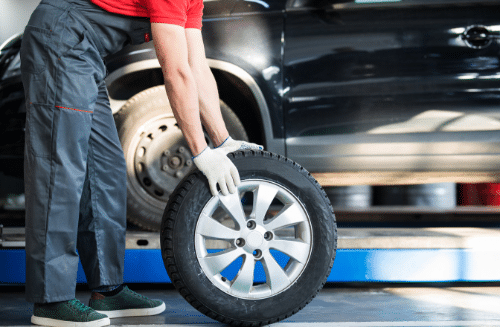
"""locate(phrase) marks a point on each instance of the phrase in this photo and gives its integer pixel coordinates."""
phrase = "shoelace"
(137, 294)
(79, 305)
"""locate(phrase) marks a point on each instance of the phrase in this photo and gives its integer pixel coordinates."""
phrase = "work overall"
(75, 172)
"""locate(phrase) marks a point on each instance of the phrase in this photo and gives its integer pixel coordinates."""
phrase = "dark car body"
(345, 88)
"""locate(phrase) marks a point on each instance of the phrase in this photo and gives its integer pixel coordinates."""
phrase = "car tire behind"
(156, 153)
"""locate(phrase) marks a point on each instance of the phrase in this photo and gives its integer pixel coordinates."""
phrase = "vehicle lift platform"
(364, 254)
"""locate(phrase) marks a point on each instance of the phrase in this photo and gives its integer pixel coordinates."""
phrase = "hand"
(230, 145)
(219, 169)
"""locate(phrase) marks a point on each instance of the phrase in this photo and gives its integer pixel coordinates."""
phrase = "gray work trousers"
(75, 172)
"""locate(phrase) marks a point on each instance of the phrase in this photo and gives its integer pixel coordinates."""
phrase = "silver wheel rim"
(275, 225)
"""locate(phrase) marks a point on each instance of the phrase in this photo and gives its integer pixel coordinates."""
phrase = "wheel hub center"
(255, 239)
(175, 162)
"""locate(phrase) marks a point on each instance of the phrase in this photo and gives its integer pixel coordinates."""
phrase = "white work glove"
(219, 169)
(230, 145)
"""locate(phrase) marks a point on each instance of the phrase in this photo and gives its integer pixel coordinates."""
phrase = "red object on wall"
(482, 194)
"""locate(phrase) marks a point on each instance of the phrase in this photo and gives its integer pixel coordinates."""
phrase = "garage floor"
(336, 305)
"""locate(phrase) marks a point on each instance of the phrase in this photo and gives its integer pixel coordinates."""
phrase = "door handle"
(478, 36)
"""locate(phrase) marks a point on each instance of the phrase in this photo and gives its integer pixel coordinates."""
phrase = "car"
(357, 92)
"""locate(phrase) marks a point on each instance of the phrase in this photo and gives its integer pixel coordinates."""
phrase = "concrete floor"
(336, 305)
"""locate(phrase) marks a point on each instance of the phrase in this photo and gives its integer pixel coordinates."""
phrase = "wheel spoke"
(210, 227)
(295, 249)
(289, 216)
(244, 280)
(276, 277)
(219, 261)
(232, 205)
(263, 197)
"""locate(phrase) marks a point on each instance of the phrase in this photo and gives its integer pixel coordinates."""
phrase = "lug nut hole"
(268, 236)
(240, 242)
(257, 253)
(251, 224)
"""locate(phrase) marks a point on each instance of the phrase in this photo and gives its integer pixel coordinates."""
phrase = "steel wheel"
(156, 153)
(161, 157)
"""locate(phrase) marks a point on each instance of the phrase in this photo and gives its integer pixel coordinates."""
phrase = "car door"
(392, 85)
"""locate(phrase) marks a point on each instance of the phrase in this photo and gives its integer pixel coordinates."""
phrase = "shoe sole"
(61, 323)
(134, 312)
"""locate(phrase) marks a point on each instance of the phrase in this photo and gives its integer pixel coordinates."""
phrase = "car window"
(296, 4)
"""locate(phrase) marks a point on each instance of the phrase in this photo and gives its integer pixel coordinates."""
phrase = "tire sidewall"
(314, 274)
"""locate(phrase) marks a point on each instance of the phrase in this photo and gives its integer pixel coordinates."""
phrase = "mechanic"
(75, 171)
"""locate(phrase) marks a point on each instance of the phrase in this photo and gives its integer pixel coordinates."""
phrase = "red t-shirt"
(186, 13)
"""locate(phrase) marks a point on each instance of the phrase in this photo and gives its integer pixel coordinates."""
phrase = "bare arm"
(172, 52)
(208, 94)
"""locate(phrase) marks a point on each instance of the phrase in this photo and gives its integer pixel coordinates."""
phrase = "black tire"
(148, 184)
(180, 253)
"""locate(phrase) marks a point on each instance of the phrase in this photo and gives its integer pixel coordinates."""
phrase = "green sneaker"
(72, 313)
(127, 303)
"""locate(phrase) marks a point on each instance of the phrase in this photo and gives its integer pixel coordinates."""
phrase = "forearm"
(179, 82)
(182, 94)
(211, 116)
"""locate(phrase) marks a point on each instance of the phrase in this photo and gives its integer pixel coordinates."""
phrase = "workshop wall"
(14, 15)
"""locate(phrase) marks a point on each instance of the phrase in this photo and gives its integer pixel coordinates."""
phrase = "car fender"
(272, 144)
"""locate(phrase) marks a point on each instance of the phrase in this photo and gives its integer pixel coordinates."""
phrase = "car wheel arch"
(221, 70)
